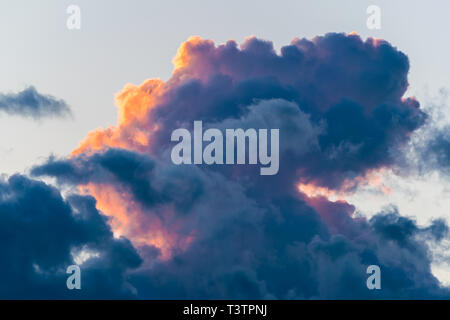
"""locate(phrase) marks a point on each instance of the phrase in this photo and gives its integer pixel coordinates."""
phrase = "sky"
(76, 74)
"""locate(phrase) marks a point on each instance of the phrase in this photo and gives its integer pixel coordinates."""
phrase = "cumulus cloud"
(352, 88)
(226, 232)
(30, 103)
(249, 244)
(40, 232)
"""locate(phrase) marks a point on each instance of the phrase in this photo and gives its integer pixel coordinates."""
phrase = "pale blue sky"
(128, 41)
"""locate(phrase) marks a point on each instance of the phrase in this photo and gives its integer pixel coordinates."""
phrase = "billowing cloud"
(350, 88)
(231, 240)
(30, 103)
(212, 231)
(42, 233)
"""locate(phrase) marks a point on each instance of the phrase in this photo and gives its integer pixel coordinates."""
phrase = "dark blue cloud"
(253, 245)
(39, 232)
(30, 103)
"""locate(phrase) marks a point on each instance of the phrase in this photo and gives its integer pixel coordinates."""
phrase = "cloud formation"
(30, 103)
(42, 233)
(231, 240)
(350, 88)
(226, 232)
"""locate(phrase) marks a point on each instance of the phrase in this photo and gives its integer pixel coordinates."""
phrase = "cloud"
(245, 243)
(435, 150)
(40, 233)
(428, 150)
(353, 89)
(226, 232)
(30, 103)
